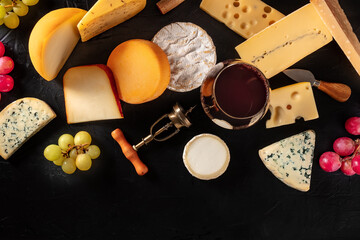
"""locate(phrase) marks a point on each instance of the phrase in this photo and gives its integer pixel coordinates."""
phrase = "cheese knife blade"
(338, 91)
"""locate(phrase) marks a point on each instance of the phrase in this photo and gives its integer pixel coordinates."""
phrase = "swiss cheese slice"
(245, 17)
(206, 156)
(335, 19)
(106, 14)
(286, 42)
(290, 103)
(290, 159)
(19, 121)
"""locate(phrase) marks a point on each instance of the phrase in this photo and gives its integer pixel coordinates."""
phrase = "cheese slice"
(290, 159)
(290, 103)
(335, 19)
(245, 17)
(286, 42)
(19, 121)
(106, 14)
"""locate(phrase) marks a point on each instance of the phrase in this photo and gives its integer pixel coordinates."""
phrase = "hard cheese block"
(290, 159)
(106, 14)
(285, 42)
(290, 103)
(245, 17)
(338, 24)
(90, 94)
(19, 121)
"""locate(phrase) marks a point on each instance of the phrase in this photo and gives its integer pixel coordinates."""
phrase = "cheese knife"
(338, 91)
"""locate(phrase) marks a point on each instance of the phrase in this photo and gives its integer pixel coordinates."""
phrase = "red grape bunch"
(6, 66)
(346, 155)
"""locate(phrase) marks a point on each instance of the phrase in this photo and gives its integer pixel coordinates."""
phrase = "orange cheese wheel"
(141, 70)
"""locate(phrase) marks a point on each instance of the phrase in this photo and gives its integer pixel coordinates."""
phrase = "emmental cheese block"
(335, 19)
(290, 103)
(245, 17)
(285, 42)
(106, 14)
(290, 159)
(19, 121)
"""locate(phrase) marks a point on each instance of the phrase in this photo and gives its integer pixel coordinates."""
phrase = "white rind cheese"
(290, 159)
(191, 53)
(19, 121)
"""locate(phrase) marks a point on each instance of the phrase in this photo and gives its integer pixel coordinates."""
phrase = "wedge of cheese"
(335, 19)
(19, 121)
(245, 17)
(106, 14)
(286, 42)
(290, 159)
(290, 103)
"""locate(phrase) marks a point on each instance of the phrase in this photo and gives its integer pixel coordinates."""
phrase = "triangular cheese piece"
(106, 14)
(290, 159)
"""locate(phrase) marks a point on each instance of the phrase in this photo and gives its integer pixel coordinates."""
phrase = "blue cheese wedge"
(19, 121)
(290, 159)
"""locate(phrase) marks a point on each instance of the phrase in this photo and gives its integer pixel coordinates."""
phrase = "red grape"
(355, 164)
(2, 49)
(352, 125)
(344, 146)
(346, 168)
(330, 161)
(6, 65)
(6, 83)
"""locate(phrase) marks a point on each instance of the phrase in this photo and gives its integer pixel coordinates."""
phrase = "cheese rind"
(19, 121)
(290, 103)
(290, 160)
(285, 42)
(245, 17)
(335, 19)
(106, 14)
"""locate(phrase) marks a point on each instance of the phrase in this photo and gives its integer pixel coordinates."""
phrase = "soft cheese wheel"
(206, 156)
(141, 70)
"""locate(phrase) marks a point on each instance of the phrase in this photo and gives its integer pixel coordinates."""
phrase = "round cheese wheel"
(206, 156)
(141, 70)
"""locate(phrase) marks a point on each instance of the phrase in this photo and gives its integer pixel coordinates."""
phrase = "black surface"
(39, 201)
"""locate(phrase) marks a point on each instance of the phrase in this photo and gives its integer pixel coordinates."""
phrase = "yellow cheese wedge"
(290, 103)
(286, 42)
(338, 24)
(106, 14)
(245, 17)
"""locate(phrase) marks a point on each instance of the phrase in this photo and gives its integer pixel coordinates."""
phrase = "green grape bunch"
(11, 10)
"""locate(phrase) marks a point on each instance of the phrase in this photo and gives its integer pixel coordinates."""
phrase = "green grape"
(65, 141)
(93, 151)
(60, 161)
(82, 137)
(2, 12)
(20, 8)
(52, 152)
(30, 2)
(11, 20)
(83, 162)
(73, 153)
(7, 3)
(68, 166)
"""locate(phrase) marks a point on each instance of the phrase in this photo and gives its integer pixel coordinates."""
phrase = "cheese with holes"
(290, 103)
(286, 42)
(245, 17)
(290, 159)
(335, 19)
(106, 14)
(19, 121)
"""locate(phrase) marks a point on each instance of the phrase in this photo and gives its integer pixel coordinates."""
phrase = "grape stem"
(356, 152)
(77, 147)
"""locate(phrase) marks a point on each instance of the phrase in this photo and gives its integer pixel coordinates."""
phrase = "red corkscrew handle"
(129, 152)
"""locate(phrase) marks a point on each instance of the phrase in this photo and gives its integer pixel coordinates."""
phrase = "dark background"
(39, 201)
